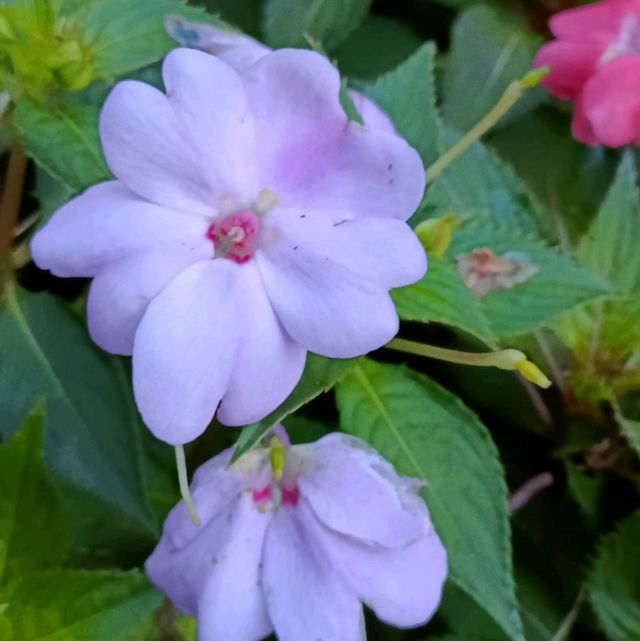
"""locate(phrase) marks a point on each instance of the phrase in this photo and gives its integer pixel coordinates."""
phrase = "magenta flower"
(297, 549)
(249, 222)
(595, 62)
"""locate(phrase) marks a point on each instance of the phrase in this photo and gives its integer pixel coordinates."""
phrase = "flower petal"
(184, 149)
(232, 605)
(571, 66)
(310, 154)
(402, 586)
(611, 103)
(184, 351)
(307, 598)
(600, 21)
(372, 116)
(106, 223)
(268, 364)
(383, 251)
(324, 306)
(121, 292)
(354, 491)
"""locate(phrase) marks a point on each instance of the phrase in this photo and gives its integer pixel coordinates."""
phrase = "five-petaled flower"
(250, 222)
(595, 62)
(296, 545)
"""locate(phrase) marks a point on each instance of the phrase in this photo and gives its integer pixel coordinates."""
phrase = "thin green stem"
(184, 484)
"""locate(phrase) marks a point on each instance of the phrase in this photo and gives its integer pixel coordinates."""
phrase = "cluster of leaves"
(573, 212)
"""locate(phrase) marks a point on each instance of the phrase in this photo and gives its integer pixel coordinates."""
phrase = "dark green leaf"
(320, 375)
(426, 432)
(82, 606)
(407, 95)
(92, 439)
(287, 22)
(33, 533)
(613, 586)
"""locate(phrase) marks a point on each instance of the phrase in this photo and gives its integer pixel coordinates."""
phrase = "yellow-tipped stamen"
(183, 481)
(278, 456)
(512, 94)
(506, 359)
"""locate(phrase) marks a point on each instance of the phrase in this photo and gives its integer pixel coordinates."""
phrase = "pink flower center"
(265, 497)
(234, 236)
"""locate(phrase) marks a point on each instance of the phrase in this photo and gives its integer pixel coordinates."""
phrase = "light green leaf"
(33, 533)
(558, 285)
(124, 36)
(286, 22)
(320, 375)
(479, 188)
(613, 586)
(426, 432)
(63, 139)
(76, 605)
(610, 247)
(407, 95)
(441, 297)
(490, 48)
(92, 438)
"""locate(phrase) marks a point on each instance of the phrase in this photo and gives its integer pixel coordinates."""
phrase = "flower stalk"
(184, 484)
(506, 359)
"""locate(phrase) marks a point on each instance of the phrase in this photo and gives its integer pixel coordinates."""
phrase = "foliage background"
(84, 487)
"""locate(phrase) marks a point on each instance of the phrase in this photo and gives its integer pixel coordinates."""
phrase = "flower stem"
(184, 484)
(10, 210)
(507, 359)
(512, 94)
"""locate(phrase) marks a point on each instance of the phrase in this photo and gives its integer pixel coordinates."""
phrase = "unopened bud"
(435, 234)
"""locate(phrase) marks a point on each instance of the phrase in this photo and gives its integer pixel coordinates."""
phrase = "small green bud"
(435, 234)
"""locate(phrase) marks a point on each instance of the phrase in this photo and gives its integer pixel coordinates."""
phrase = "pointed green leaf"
(287, 22)
(407, 95)
(33, 533)
(441, 297)
(77, 605)
(320, 375)
(613, 586)
(92, 430)
(427, 433)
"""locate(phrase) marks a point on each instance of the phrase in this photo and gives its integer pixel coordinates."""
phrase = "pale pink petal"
(107, 223)
(120, 293)
(372, 116)
(232, 605)
(311, 156)
(356, 492)
(571, 66)
(181, 572)
(600, 21)
(185, 350)
(307, 597)
(383, 251)
(611, 102)
(324, 306)
(402, 586)
(182, 150)
(268, 363)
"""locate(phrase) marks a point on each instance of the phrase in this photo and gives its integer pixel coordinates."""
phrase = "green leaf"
(63, 139)
(320, 375)
(481, 189)
(427, 433)
(82, 606)
(558, 285)
(613, 586)
(287, 22)
(631, 430)
(609, 248)
(124, 36)
(92, 438)
(407, 95)
(490, 49)
(33, 533)
(441, 297)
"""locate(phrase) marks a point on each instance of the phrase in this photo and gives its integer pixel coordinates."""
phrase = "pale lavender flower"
(297, 548)
(302, 210)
